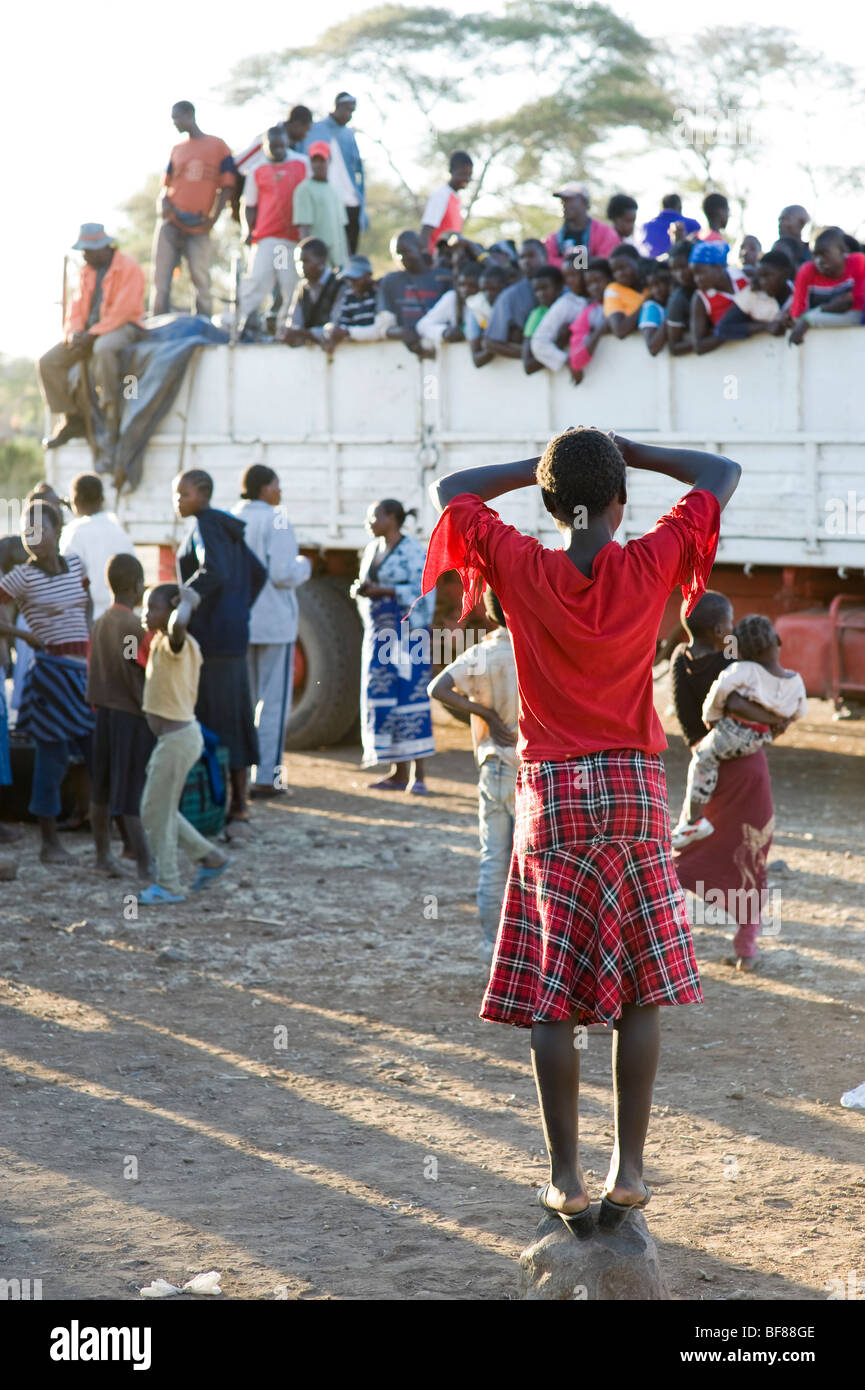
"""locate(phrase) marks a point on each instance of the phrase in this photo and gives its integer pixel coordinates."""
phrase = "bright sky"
(90, 96)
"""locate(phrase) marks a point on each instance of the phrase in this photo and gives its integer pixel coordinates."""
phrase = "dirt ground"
(286, 1079)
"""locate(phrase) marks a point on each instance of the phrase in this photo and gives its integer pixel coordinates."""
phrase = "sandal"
(156, 894)
(206, 875)
(419, 789)
(612, 1214)
(579, 1223)
(387, 785)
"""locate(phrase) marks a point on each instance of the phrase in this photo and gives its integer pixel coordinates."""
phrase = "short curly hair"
(581, 468)
(754, 635)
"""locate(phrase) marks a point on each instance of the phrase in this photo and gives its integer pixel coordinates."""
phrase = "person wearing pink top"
(578, 228)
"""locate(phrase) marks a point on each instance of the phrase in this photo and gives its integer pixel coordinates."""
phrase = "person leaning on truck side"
(197, 167)
(104, 318)
(228, 577)
(273, 620)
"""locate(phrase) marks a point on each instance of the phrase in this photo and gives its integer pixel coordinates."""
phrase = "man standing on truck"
(197, 167)
(269, 199)
(346, 167)
(104, 318)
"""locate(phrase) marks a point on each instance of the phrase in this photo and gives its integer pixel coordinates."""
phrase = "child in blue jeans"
(482, 683)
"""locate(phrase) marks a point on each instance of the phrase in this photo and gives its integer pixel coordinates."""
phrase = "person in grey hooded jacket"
(273, 621)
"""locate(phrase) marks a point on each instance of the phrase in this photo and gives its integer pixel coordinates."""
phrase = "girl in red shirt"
(593, 926)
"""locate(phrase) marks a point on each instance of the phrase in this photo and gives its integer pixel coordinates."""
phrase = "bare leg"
(53, 850)
(239, 809)
(556, 1064)
(135, 838)
(636, 1048)
(100, 824)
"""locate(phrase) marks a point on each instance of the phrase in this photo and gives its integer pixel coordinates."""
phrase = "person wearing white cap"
(578, 228)
(104, 318)
(345, 171)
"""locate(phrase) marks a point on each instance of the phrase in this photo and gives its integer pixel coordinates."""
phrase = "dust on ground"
(285, 1078)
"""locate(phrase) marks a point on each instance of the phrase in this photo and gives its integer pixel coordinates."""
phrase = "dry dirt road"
(286, 1079)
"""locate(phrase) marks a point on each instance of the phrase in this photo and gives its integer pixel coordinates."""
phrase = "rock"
(8, 869)
(608, 1266)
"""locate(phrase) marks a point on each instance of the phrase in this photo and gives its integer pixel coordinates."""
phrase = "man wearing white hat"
(104, 318)
(578, 229)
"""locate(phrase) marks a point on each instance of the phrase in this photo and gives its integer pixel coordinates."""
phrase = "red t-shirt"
(275, 184)
(812, 290)
(583, 647)
(443, 213)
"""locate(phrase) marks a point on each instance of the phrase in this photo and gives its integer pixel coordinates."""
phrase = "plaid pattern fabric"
(593, 916)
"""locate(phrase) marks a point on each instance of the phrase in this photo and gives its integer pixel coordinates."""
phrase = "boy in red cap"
(318, 209)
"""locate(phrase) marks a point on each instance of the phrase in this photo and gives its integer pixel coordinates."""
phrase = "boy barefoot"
(170, 693)
(122, 742)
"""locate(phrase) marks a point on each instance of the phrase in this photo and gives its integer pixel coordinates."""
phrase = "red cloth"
(808, 276)
(733, 859)
(593, 917)
(602, 241)
(276, 184)
(583, 647)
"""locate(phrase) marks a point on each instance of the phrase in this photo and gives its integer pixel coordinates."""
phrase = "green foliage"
(579, 73)
(21, 408)
(22, 466)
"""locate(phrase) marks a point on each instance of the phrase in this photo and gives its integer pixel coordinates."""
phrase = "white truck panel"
(374, 421)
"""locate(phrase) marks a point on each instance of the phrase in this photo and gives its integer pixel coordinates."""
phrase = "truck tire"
(329, 635)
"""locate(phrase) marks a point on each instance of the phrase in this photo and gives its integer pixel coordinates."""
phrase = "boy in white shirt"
(95, 536)
(770, 697)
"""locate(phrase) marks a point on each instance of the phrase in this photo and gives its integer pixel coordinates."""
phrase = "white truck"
(374, 421)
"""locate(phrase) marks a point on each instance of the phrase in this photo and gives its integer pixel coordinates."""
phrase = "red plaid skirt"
(593, 916)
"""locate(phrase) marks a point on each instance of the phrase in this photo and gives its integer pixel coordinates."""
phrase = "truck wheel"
(327, 695)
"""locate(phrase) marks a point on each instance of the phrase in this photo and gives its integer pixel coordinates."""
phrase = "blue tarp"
(157, 363)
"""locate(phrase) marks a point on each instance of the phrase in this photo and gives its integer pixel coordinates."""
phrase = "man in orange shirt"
(196, 169)
(104, 318)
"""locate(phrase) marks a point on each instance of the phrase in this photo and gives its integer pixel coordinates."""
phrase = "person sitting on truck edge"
(314, 297)
(678, 320)
(215, 561)
(190, 207)
(353, 317)
(273, 620)
(482, 684)
(716, 284)
(170, 685)
(122, 740)
(624, 296)
(450, 320)
(763, 305)
(318, 209)
(105, 317)
(504, 335)
(407, 294)
(588, 326)
(652, 320)
(443, 212)
(716, 211)
(549, 341)
(829, 291)
(268, 197)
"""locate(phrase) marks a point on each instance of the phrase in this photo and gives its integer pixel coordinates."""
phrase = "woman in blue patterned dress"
(396, 716)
